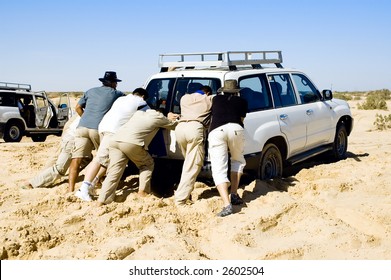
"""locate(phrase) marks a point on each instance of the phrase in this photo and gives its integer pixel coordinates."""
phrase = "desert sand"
(324, 210)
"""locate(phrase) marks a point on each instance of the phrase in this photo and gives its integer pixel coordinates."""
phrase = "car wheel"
(13, 132)
(271, 164)
(166, 176)
(340, 145)
(38, 138)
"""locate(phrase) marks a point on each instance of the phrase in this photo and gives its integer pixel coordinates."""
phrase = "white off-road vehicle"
(288, 119)
(24, 112)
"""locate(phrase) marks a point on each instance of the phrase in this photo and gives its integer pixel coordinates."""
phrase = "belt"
(189, 121)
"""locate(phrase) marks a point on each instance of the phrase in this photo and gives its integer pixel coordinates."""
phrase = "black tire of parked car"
(13, 132)
(38, 138)
(271, 163)
(340, 145)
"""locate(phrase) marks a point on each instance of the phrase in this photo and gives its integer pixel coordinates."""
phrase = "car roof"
(220, 73)
(221, 65)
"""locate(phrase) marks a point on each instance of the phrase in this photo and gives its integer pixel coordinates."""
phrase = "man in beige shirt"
(190, 136)
(130, 142)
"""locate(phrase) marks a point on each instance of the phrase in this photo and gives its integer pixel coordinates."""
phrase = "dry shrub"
(382, 122)
(376, 100)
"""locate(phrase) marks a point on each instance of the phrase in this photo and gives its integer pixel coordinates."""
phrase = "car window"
(7, 99)
(158, 90)
(191, 85)
(254, 89)
(306, 89)
(282, 90)
(165, 94)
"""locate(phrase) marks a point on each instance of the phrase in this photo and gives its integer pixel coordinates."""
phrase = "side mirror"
(327, 94)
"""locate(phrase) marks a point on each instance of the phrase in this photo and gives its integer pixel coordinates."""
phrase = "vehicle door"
(292, 118)
(43, 113)
(318, 112)
(260, 123)
(64, 111)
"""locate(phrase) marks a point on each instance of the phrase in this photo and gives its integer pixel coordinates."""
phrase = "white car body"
(294, 117)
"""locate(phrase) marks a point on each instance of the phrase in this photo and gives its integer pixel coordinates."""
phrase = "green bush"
(349, 95)
(343, 95)
(382, 122)
(376, 100)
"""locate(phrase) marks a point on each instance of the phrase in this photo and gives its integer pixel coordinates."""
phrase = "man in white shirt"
(120, 112)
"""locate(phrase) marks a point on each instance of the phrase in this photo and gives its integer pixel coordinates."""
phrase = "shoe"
(184, 202)
(27, 187)
(235, 199)
(92, 191)
(227, 210)
(85, 196)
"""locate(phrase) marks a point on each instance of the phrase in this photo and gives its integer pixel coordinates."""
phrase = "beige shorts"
(102, 155)
(86, 140)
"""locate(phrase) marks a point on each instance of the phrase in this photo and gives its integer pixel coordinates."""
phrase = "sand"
(324, 210)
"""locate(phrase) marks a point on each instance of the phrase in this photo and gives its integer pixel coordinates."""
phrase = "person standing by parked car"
(190, 136)
(92, 106)
(226, 137)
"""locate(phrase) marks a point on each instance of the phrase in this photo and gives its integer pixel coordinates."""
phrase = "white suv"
(288, 119)
(27, 113)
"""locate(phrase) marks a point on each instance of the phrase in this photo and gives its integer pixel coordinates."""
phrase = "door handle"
(309, 112)
(283, 117)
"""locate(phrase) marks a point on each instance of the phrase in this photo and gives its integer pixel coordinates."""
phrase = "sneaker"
(235, 199)
(27, 186)
(228, 210)
(85, 196)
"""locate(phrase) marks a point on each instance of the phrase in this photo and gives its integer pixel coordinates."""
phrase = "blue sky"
(67, 45)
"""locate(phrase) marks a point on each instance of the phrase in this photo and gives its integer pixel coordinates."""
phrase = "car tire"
(13, 132)
(271, 164)
(38, 138)
(340, 145)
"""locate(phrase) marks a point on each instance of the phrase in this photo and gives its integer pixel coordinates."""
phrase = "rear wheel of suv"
(271, 164)
(340, 145)
(38, 138)
(13, 132)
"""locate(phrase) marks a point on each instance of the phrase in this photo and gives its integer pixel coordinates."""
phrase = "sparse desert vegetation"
(372, 100)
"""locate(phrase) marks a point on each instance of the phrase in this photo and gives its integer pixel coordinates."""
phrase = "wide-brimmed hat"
(230, 86)
(110, 76)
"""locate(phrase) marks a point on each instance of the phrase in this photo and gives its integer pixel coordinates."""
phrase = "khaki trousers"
(190, 138)
(119, 154)
(59, 168)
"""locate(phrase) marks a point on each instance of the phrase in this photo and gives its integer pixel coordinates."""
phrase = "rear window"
(165, 94)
